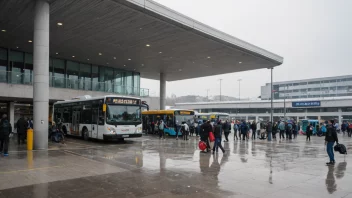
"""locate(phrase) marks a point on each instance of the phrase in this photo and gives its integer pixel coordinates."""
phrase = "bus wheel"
(121, 140)
(85, 134)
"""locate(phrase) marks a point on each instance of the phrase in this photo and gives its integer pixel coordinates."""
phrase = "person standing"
(21, 126)
(184, 130)
(226, 127)
(5, 130)
(161, 129)
(330, 139)
(254, 129)
(309, 131)
(275, 127)
(282, 129)
(258, 129)
(295, 131)
(269, 130)
(235, 129)
(349, 129)
(218, 134)
(244, 130)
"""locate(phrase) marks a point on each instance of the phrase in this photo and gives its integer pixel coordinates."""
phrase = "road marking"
(32, 169)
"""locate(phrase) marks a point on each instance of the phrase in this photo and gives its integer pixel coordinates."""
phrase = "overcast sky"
(313, 36)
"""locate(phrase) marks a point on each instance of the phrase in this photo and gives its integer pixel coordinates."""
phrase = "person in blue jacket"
(244, 130)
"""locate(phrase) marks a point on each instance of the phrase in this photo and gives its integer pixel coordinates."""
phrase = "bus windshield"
(118, 114)
(185, 118)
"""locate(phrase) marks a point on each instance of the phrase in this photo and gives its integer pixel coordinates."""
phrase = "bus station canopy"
(134, 35)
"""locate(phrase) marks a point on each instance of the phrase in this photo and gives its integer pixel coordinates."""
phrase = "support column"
(271, 97)
(11, 114)
(162, 91)
(41, 74)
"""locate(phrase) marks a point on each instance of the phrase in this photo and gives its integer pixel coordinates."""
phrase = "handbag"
(211, 137)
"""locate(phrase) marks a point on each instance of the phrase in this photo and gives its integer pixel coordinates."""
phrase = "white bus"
(108, 117)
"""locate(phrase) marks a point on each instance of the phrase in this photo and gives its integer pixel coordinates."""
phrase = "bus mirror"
(104, 107)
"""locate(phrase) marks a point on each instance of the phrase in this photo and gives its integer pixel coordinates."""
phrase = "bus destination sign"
(122, 101)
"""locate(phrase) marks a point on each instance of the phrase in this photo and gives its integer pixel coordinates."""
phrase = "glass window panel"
(3, 65)
(136, 83)
(128, 83)
(95, 78)
(59, 73)
(109, 76)
(72, 75)
(16, 64)
(28, 69)
(101, 78)
(50, 72)
(85, 77)
(118, 82)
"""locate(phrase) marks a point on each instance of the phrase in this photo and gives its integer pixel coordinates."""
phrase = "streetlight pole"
(207, 95)
(220, 88)
(271, 98)
(285, 95)
(239, 89)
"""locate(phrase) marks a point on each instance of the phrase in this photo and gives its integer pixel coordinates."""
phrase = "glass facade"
(17, 68)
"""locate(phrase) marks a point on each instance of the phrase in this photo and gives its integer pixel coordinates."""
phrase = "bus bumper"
(120, 136)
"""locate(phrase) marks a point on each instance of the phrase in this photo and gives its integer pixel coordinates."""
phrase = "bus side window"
(101, 116)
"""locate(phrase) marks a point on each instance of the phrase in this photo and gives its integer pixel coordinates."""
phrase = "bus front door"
(75, 122)
(95, 122)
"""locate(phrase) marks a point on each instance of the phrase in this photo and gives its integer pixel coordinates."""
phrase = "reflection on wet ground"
(149, 167)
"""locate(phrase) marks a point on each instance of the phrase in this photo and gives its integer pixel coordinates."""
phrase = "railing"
(26, 77)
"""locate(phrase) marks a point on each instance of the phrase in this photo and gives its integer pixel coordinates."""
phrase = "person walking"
(275, 128)
(258, 129)
(5, 130)
(254, 129)
(349, 129)
(226, 127)
(218, 135)
(330, 139)
(309, 131)
(206, 128)
(184, 130)
(282, 129)
(295, 131)
(21, 126)
(269, 130)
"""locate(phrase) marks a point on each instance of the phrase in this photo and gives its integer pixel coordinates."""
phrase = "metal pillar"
(11, 113)
(162, 91)
(285, 108)
(41, 74)
(271, 98)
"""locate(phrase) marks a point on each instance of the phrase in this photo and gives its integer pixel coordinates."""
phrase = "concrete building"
(312, 88)
(339, 108)
(53, 50)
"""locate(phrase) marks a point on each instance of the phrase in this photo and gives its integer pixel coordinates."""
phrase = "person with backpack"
(282, 129)
(330, 139)
(184, 130)
(294, 130)
(289, 128)
(275, 128)
(21, 126)
(309, 131)
(161, 129)
(218, 135)
(254, 129)
(5, 130)
(349, 129)
(226, 127)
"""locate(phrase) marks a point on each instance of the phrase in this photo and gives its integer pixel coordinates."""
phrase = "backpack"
(281, 126)
(323, 129)
(183, 129)
(289, 126)
(5, 127)
(244, 127)
(161, 126)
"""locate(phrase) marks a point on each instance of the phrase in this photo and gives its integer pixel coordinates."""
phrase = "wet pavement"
(149, 167)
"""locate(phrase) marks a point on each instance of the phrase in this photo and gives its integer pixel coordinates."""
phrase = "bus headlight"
(139, 130)
(111, 130)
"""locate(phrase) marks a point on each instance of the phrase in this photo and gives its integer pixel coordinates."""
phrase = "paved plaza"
(149, 167)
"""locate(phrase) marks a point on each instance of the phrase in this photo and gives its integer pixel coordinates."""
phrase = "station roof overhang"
(116, 33)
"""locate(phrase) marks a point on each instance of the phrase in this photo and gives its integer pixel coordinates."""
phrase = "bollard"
(30, 139)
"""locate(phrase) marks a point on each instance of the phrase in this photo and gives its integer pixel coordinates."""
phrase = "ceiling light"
(59, 24)
(142, 65)
(209, 57)
(129, 59)
(73, 56)
(30, 41)
(17, 47)
(114, 57)
(124, 65)
(160, 52)
(239, 62)
(180, 70)
(100, 53)
(107, 63)
(57, 53)
(147, 45)
(3, 30)
(134, 69)
(140, 28)
(87, 59)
